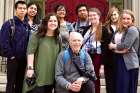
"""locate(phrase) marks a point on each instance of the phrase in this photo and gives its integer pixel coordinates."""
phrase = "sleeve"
(129, 38)
(70, 27)
(105, 40)
(59, 72)
(33, 44)
(5, 40)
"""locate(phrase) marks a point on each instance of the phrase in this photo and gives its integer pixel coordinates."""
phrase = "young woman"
(92, 42)
(42, 52)
(110, 28)
(65, 26)
(125, 45)
(32, 16)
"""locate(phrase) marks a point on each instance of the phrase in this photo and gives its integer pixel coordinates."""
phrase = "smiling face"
(75, 41)
(93, 17)
(126, 20)
(52, 23)
(32, 10)
(114, 16)
(61, 12)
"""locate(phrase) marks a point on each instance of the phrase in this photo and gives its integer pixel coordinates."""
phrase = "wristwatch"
(30, 68)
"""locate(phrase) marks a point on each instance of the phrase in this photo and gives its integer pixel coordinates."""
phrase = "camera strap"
(90, 34)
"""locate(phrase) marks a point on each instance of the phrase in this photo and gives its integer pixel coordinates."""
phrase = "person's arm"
(31, 50)
(5, 40)
(59, 73)
(127, 43)
(129, 39)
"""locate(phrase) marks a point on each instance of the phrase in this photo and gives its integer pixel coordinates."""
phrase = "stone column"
(136, 10)
(2, 12)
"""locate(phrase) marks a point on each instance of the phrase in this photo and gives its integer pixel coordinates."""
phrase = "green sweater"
(46, 50)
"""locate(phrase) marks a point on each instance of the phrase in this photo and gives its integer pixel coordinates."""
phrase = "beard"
(83, 18)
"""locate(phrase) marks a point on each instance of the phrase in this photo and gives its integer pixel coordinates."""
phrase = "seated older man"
(74, 69)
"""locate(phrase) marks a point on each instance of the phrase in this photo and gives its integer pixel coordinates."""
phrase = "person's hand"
(80, 80)
(112, 46)
(101, 71)
(75, 87)
(30, 73)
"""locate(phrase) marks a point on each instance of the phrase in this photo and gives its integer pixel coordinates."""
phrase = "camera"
(92, 51)
(31, 80)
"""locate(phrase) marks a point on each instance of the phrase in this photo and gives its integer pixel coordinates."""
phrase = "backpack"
(66, 56)
(11, 35)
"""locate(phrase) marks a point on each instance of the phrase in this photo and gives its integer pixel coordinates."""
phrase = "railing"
(3, 62)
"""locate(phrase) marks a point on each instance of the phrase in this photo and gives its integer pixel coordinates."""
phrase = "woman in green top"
(42, 52)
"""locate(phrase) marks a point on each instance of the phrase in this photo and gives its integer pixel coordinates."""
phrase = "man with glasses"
(14, 48)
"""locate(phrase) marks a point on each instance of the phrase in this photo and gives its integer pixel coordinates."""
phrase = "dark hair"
(59, 7)
(79, 6)
(19, 2)
(42, 30)
(36, 19)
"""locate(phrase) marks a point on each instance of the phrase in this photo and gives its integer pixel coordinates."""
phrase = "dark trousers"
(126, 80)
(15, 75)
(97, 63)
(43, 89)
(109, 78)
(88, 87)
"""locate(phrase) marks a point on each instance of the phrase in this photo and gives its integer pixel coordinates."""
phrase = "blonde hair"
(129, 12)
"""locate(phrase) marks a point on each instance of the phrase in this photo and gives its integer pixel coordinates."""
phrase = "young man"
(69, 79)
(14, 48)
(82, 22)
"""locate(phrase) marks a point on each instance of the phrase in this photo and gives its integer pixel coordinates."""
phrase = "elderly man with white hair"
(74, 70)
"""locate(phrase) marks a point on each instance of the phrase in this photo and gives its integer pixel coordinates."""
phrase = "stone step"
(3, 84)
(2, 88)
(103, 90)
(3, 79)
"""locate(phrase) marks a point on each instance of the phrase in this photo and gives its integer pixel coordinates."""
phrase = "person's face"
(52, 23)
(75, 43)
(114, 17)
(32, 10)
(61, 12)
(21, 11)
(93, 17)
(82, 13)
(126, 20)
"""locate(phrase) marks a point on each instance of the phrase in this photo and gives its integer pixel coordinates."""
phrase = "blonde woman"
(92, 42)
(125, 44)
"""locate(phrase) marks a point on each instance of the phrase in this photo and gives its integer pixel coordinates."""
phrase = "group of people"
(56, 56)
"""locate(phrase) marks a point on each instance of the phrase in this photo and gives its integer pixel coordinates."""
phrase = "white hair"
(75, 35)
